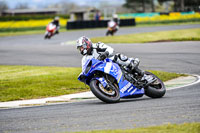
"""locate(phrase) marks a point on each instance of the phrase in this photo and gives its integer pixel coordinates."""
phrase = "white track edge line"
(193, 83)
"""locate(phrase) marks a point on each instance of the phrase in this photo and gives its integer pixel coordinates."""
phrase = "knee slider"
(122, 57)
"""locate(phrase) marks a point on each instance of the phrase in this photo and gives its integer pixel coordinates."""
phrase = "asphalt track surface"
(177, 106)
(34, 50)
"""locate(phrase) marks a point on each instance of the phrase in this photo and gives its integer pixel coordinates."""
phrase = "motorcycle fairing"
(125, 87)
(51, 27)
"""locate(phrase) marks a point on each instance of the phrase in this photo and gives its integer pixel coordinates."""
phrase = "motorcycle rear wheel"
(105, 95)
(156, 89)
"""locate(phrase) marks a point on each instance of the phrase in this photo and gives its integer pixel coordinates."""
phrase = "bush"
(31, 17)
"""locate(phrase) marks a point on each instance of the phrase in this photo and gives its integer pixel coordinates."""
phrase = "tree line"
(178, 5)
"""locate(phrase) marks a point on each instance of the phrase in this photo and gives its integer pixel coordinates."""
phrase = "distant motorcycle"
(50, 31)
(112, 28)
(109, 82)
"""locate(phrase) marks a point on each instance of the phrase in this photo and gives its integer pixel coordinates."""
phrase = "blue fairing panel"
(109, 68)
(127, 89)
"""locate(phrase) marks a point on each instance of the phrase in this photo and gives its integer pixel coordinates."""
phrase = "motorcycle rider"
(116, 20)
(101, 51)
(114, 24)
(57, 24)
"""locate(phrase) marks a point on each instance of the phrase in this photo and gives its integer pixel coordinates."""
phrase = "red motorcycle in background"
(112, 28)
(50, 31)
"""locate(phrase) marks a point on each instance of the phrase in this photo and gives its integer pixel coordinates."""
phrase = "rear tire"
(156, 89)
(103, 96)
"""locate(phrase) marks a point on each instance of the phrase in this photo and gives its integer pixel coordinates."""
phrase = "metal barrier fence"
(97, 24)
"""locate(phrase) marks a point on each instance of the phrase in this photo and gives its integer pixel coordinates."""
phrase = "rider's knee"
(121, 59)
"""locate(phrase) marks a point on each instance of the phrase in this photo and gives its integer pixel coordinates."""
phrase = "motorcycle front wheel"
(108, 95)
(156, 89)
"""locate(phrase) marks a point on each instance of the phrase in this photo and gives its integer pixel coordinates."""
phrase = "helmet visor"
(80, 48)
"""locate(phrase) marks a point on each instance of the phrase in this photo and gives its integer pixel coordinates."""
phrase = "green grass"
(28, 82)
(169, 128)
(175, 35)
(169, 22)
(165, 76)
(149, 24)
(26, 31)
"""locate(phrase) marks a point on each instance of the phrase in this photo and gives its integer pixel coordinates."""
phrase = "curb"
(47, 101)
(182, 82)
(170, 85)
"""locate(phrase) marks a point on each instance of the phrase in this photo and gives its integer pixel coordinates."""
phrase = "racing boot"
(134, 67)
(142, 76)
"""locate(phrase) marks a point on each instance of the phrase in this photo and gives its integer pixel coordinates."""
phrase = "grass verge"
(169, 128)
(175, 35)
(28, 82)
(27, 31)
(164, 24)
(168, 22)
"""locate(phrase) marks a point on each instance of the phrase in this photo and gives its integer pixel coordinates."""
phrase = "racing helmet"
(56, 18)
(84, 45)
(115, 16)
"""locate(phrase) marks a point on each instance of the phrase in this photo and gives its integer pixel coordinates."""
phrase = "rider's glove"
(103, 55)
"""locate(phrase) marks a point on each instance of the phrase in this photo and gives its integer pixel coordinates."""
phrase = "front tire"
(107, 33)
(109, 97)
(156, 89)
(45, 36)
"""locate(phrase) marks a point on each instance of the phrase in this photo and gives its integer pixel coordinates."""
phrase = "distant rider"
(57, 24)
(113, 24)
(101, 51)
(116, 20)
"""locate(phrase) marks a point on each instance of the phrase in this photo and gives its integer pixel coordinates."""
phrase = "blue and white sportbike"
(109, 82)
